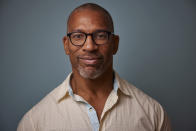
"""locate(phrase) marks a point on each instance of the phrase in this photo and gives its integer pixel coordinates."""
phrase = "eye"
(101, 35)
(77, 36)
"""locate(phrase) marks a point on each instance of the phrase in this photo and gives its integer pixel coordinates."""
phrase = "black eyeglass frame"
(91, 34)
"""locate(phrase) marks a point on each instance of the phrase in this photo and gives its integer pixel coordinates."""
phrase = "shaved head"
(92, 7)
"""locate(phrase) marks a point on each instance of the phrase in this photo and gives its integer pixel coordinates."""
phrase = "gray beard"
(90, 74)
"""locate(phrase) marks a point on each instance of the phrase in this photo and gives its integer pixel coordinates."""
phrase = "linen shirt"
(126, 109)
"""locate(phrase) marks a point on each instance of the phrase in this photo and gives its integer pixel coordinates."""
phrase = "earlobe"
(65, 44)
(116, 42)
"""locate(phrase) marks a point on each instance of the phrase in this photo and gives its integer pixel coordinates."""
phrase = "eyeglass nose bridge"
(86, 36)
(89, 34)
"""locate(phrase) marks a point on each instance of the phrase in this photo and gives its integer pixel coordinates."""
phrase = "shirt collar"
(66, 90)
(122, 85)
(62, 90)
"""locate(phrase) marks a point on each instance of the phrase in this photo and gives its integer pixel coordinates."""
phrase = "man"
(93, 97)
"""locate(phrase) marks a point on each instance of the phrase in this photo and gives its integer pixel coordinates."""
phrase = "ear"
(66, 44)
(116, 42)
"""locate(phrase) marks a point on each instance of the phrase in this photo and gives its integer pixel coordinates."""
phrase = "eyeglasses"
(99, 37)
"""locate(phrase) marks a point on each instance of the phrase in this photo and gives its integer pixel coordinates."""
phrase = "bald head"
(92, 7)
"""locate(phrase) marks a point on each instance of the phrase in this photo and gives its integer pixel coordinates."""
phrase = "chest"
(77, 118)
(113, 115)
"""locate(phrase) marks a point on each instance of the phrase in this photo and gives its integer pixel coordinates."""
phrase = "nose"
(89, 44)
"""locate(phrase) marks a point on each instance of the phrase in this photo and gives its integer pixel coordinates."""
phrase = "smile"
(90, 61)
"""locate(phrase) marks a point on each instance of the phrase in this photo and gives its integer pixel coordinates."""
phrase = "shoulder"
(136, 93)
(43, 109)
(145, 101)
(152, 108)
(50, 101)
(143, 98)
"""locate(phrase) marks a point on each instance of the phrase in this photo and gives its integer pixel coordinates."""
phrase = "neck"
(88, 88)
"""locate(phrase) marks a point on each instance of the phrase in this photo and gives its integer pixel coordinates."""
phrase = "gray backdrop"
(156, 53)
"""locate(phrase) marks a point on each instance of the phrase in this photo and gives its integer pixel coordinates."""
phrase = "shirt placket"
(93, 117)
(92, 114)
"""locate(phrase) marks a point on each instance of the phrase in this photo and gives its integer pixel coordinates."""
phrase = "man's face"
(90, 60)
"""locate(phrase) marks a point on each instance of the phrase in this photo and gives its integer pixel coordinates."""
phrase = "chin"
(90, 74)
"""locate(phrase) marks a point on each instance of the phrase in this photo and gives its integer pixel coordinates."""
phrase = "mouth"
(90, 61)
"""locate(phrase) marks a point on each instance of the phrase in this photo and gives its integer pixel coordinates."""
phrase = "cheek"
(73, 49)
(73, 60)
(107, 53)
(73, 54)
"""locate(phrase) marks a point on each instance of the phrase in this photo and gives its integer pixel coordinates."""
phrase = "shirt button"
(90, 109)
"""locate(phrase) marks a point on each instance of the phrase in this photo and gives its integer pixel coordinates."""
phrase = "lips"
(88, 60)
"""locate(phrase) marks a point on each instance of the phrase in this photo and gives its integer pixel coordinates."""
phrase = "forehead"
(88, 21)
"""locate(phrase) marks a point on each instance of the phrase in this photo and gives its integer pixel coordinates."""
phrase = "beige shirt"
(127, 109)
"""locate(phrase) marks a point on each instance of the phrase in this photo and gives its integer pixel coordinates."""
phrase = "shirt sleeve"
(166, 125)
(26, 124)
(163, 122)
